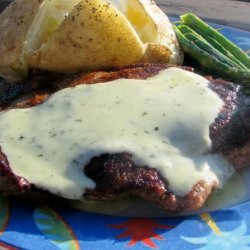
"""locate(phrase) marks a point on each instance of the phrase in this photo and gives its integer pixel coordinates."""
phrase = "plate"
(33, 225)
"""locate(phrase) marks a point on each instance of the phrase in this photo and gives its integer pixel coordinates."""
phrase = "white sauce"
(163, 121)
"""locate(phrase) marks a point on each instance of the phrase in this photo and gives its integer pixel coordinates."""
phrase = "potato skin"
(15, 21)
(92, 37)
(165, 48)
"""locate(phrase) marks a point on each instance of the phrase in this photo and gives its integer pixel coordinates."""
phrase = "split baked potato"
(69, 36)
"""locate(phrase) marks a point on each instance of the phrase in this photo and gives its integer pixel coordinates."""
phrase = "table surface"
(234, 13)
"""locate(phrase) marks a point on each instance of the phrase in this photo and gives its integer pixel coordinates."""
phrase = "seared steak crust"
(116, 175)
(230, 133)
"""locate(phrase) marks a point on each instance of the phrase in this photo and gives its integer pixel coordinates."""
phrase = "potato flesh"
(49, 17)
(139, 19)
(142, 23)
(47, 43)
(19, 35)
(154, 29)
(101, 37)
(142, 18)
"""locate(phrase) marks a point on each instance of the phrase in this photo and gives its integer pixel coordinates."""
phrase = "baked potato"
(15, 22)
(69, 36)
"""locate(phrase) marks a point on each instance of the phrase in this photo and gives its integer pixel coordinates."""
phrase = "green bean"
(210, 62)
(212, 51)
(216, 45)
(225, 52)
(203, 44)
(201, 27)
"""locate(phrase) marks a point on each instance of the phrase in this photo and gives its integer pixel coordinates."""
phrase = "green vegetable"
(203, 44)
(210, 62)
(214, 52)
(225, 52)
(202, 28)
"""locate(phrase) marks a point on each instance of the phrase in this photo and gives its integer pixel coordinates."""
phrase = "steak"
(117, 175)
